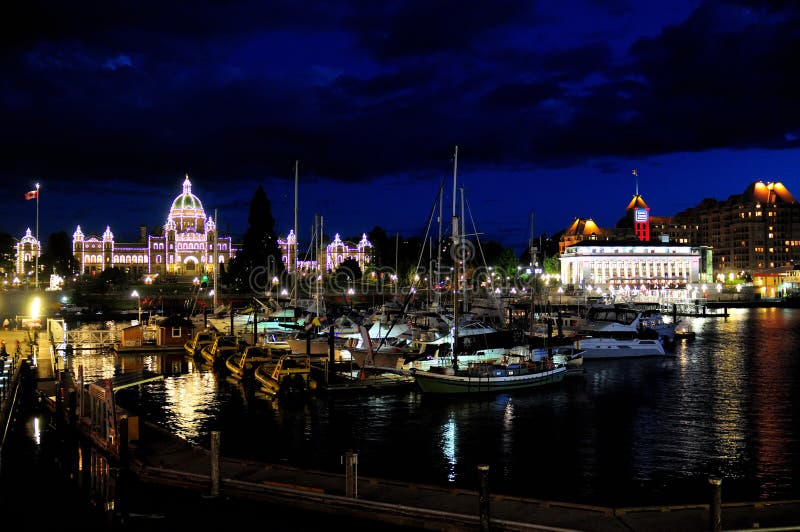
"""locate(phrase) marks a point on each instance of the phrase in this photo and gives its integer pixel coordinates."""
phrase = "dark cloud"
(147, 91)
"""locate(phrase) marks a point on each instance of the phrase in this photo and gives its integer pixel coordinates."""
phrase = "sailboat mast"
(456, 252)
(463, 252)
(439, 249)
(319, 245)
(293, 265)
(216, 258)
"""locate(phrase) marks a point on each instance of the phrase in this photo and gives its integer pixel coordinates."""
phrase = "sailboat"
(514, 371)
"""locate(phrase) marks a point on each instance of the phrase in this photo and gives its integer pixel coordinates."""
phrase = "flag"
(33, 194)
(635, 172)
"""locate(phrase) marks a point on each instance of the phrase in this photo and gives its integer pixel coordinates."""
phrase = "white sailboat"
(514, 372)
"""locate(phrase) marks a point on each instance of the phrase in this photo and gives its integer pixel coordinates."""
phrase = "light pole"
(38, 243)
(138, 306)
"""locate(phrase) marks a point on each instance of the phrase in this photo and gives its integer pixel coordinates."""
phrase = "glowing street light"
(138, 305)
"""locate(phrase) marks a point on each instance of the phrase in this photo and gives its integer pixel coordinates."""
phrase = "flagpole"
(38, 242)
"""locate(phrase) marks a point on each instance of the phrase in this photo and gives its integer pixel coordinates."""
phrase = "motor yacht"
(621, 331)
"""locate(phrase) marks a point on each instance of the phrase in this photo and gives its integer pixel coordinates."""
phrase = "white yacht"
(620, 331)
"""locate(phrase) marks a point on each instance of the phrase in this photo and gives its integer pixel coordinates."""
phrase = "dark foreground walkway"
(163, 460)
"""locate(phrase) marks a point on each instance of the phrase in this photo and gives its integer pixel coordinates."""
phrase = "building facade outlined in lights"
(335, 253)
(626, 258)
(28, 248)
(185, 250)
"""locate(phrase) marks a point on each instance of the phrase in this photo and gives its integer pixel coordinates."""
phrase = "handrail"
(8, 405)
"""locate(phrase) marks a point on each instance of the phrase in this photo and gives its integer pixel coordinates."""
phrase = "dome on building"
(28, 238)
(186, 213)
(187, 205)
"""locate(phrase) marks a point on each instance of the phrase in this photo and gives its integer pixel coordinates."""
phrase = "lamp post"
(138, 306)
(38, 243)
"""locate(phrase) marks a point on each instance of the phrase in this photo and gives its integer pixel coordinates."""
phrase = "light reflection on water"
(627, 432)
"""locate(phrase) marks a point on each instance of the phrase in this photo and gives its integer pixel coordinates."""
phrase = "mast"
(439, 249)
(456, 256)
(293, 265)
(216, 258)
(322, 261)
(532, 250)
(463, 253)
(318, 299)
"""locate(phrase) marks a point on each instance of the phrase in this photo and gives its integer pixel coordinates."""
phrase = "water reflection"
(626, 432)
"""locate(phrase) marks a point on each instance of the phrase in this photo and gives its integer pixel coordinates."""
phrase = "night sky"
(551, 104)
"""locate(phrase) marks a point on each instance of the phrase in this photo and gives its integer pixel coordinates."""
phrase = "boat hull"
(442, 383)
(605, 348)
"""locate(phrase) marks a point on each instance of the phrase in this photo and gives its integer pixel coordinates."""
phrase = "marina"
(653, 466)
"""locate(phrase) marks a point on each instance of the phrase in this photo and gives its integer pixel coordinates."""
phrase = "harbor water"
(725, 404)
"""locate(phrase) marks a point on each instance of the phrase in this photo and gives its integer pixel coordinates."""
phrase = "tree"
(110, 280)
(382, 251)
(546, 247)
(7, 254)
(260, 248)
(490, 253)
(57, 256)
(552, 265)
(348, 270)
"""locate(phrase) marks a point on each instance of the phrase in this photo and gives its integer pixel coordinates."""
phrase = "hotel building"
(756, 230)
(626, 257)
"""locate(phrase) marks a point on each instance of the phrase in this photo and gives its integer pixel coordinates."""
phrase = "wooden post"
(72, 408)
(715, 508)
(123, 442)
(483, 497)
(255, 325)
(215, 463)
(120, 495)
(351, 474)
(331, 345)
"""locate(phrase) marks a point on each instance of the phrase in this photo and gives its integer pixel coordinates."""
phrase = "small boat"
(483, 377)
(200, 339)
(343, 376)
(683, 331)
(571, 357)
(290, 375)
(223, 346)
(243, 365)
(371, 379)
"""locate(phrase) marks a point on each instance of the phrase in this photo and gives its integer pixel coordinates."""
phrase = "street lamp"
(138, 306)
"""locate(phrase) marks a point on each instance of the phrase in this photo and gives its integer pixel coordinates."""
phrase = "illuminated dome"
(28, 238)
(187, 201)
(187, 210)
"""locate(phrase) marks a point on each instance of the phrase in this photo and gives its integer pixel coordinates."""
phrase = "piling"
(483, 497)
(715, 507)
(351, 474)
(215, 463)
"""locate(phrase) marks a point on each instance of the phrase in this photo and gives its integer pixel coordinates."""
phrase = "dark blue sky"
(552, 104)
